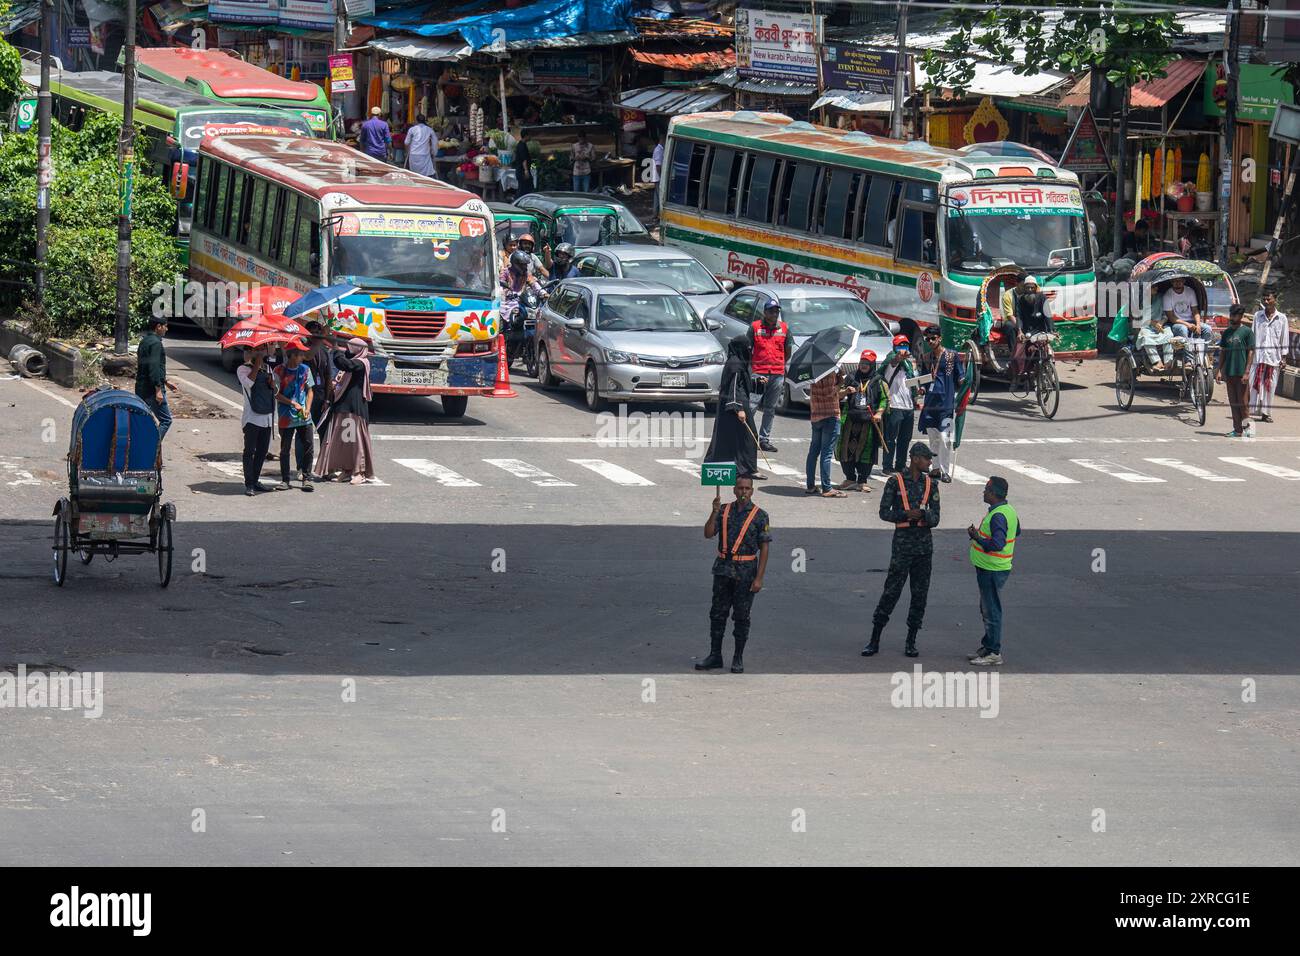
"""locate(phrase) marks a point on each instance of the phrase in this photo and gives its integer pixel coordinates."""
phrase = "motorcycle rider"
(529, 245)
(515, 279)
(562, 265)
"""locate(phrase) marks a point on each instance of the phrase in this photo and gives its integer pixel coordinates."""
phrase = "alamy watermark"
(62, 690)
(946, 689)
(1132, 296)
(193, 300)
(653, 429)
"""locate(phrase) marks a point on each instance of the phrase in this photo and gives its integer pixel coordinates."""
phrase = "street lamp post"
(126, 161)
(44, 167)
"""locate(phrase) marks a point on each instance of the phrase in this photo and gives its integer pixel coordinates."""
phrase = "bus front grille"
(415, 325)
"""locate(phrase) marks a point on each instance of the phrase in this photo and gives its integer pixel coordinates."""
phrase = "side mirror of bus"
(180, 180)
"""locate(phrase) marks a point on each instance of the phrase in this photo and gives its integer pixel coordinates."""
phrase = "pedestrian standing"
(294, 394)
(376, 138)
(902, 404)
(992, 546)
(860, 425)
(743, 534)
(347, 450)
(733, 436)
(259, 409)
(151, 383)
(771, 344)
(1272, 340)
(583, 153)
(910, 502)
(421, 147)
(824, 412)
(523, 166)
(1236, 351)
(656, 168)
(321, 362)
(939, 412)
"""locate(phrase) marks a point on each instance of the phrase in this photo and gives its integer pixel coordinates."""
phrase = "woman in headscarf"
(733, 439)
(347, 449)
(859, 435)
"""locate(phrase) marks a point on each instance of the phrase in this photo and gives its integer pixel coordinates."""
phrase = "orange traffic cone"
(502, 389)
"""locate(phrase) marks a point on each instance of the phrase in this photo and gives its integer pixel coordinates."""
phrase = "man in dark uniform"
(151, 373)
(743, 534)
(911, 503)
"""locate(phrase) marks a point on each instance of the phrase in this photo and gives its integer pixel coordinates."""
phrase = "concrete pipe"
(29, 362)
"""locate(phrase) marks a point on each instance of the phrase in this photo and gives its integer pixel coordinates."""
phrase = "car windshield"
(586, 229)
(628, 224)
(192, 134)
(1033, 242)
(813, 313)
(646, 312)
(687, 276)
(415, 251)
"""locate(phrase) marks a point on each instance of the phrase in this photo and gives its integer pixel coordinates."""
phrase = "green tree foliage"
(11, 68)
(84, 198)
(1129, 47)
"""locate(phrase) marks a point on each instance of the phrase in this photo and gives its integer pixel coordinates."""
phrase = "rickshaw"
(991, 355)
(512, 222)
(583, 220)
(114, 504)
(1190, 370)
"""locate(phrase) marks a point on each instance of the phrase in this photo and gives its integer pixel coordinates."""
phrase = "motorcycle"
(521, 330)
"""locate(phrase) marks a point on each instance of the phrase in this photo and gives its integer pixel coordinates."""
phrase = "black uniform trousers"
(731, 596)
(909, 561)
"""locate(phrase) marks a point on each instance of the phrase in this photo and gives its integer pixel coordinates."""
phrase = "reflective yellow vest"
(996, 560)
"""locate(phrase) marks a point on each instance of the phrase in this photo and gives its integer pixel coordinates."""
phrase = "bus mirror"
(180, 180)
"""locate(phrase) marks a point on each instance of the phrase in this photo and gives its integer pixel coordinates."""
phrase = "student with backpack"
(259, 409)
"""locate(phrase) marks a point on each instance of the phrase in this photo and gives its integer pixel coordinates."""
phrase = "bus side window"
(685, 171)
(917, 242)
(302, 250)
(839, 199)
(878, 210)
(255, 214)
(284, 254)
(271, 226)
(219, 204)
(762, 172)
(803, 187)
(721, 179)
(236, 206)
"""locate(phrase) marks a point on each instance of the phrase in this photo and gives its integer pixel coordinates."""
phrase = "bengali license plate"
(418, 377)
(673, 380)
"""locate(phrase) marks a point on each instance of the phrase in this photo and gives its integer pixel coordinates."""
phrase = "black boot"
(714, 661)
(910, 647)
(737, 661)
(874, 644)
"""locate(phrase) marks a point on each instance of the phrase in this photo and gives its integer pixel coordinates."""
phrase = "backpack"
(261, 396)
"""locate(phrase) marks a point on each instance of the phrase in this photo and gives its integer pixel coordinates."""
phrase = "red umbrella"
(264, 300)
(268, 330)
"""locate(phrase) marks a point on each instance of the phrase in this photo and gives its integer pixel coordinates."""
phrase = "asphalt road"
(519, 696)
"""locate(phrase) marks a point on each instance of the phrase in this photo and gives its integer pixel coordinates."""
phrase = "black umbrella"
(820, 355)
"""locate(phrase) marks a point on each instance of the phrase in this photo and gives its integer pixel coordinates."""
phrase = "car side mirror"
(894, 328)
(727, 285)
(713, 324)
(575, 323)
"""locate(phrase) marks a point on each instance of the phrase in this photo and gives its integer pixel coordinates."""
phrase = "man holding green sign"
(743, 534)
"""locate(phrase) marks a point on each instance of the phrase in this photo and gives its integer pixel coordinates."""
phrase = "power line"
(1100, 7)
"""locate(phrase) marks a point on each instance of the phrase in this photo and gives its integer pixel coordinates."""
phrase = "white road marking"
(21, 475)
(684, 465)
(1036, 472)
(697, 446)
(48, 394)
(231, 468)
(966, 476)
(199, 388)
(1194, 470)
(785, 471)
(521, 469)
(615, 473)
(1275, 471)
(1116, 470)
(439, 473)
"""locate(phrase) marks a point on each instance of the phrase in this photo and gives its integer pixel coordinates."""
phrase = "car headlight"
(717, 358)
(620, 358)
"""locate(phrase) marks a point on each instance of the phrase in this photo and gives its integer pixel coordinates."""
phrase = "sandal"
(834, 493)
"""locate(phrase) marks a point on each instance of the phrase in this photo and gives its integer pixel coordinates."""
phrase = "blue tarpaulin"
(545, 19)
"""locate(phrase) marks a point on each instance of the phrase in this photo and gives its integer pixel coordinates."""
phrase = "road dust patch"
(45, 668)
(288, 585)
(264, 651)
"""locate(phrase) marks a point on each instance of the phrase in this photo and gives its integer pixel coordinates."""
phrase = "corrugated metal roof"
(415, 48)
(859, 102)
(704, 60)
(682, 27)
(732, 81)
(666, 101)
(1151, 94)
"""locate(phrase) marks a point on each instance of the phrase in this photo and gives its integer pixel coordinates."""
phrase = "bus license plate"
(417, 377)
(673, 380)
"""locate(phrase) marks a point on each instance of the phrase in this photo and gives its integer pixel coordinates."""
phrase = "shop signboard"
(306, 14)
(79, 38)
(1259, 89)
(857, 68)
(1085, 152)
(342, 79)
(777, 46)
(561, 69)
(242, 11)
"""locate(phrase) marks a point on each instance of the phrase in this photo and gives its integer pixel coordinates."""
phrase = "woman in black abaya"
(732, 437)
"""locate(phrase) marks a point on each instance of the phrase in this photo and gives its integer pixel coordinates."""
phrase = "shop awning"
(667, 101)
(20, 15)
(412, 48)
(732, 81)
(686, 62)
(1151, 94)
(859, 102)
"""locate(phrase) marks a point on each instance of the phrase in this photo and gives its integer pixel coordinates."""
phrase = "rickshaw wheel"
(1199, 399)
(1208, 379)
(1125, 381)
(1047, 387)
(86, 555)
(164, 548)
(62, 544)
(973, 361)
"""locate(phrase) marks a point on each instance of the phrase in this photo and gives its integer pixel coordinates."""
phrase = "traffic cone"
(502, 387)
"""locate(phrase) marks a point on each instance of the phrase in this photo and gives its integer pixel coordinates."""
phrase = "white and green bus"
(915, 230)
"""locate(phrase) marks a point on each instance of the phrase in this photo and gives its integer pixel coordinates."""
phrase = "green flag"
(963, 392)
(985, 325)
(1120, 328)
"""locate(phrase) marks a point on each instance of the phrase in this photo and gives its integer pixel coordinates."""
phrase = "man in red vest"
(771, 344)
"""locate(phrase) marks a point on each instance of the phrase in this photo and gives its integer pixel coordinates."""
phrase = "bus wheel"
(231, 359)
(453, 406)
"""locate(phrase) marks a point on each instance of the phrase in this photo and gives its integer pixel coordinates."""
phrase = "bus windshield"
(1035, 242)
(390, 250)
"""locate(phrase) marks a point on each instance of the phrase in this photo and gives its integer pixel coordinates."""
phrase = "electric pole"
(126, 162)
(1232, 68)
(340, 41)
(1121, 166)
(900, 74)
(45, 162)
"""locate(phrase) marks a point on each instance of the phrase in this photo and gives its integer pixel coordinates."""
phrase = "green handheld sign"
(716, 473)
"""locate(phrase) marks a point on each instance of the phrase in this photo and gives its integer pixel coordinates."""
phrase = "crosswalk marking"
(439, 473)
(1116, 470)
(685, 465)
(1194, 470)
(785, 471)
(521, 469)
(1276, 471)
(1037, 472)
(615, 473)
(966, 476)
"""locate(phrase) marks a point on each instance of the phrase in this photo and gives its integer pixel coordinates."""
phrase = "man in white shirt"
(421, 147)
(899, 421)
(1272, 339)
(656, 168)
(1183, 313)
